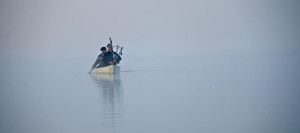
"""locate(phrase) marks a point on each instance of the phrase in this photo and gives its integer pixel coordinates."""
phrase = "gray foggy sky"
(166, 26)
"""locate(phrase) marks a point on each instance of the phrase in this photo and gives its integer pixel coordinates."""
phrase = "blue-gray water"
(213, 94)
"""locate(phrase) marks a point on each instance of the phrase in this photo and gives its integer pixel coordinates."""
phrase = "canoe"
(111, 69)
(100, 77)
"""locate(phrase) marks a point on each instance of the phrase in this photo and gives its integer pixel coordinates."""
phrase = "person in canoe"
(99, 60)
(111, 57)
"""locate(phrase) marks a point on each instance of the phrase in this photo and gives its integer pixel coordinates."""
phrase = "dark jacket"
(110, 56)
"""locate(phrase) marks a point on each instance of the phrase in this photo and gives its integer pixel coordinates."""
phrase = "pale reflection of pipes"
(111, 95)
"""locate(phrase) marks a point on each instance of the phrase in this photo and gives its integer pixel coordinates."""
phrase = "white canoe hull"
(111, 69)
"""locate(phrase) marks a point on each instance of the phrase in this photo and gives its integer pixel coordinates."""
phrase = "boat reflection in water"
(111, 95)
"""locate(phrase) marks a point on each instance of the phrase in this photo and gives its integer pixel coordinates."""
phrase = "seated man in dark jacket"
(99, 59)
(111, 57)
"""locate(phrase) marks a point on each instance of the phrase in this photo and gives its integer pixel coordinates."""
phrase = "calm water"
(228, 94)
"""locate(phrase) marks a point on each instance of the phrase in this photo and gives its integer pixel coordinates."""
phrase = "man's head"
(109, 47)
(103, 50)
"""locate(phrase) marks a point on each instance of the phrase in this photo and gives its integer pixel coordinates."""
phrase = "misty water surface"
(203, 94)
